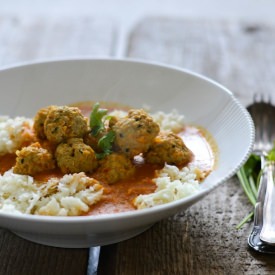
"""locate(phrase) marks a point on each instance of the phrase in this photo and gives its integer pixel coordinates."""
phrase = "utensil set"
(262, 237)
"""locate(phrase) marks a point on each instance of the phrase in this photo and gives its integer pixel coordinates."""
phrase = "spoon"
(94, 253)
(262, 235)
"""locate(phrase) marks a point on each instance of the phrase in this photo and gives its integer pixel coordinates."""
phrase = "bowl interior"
(25, 89)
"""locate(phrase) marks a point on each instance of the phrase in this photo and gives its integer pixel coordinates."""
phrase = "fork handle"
(268, 231)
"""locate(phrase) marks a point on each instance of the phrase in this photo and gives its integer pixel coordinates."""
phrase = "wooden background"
(203, 239)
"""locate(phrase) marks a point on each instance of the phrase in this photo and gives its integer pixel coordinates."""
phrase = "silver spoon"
(93, 260)
(262, 236)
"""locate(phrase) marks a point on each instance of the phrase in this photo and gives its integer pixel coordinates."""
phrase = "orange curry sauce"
(118, 197)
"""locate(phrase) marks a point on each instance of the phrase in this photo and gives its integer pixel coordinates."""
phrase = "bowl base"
(80, 241)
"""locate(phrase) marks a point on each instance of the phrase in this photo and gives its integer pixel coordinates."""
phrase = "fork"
(262, 237)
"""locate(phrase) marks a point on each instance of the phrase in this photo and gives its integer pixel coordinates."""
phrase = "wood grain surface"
(203, 239)
(18, 256)
(239, 55)
(25, 38)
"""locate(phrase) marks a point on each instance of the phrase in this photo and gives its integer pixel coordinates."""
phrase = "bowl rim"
(141, 212)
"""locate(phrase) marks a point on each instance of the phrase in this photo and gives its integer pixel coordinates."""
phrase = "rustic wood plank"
(18, 256)
(239, 55)
(31, 38)
(28, 39)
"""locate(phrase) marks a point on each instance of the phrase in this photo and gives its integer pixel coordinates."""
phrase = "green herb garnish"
(249, 177)
(96, 119)
(97, 123)
(105, 144)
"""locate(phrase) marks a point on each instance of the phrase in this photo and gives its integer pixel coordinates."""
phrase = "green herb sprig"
(105, 144)
(98, 118)
(248, 176)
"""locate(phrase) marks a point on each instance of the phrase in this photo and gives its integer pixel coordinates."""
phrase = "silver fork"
(262, 237)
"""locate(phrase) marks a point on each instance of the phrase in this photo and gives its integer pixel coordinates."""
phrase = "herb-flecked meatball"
(33, 159)
(75, 156)
(39, 121)
(63, 122)
(168, 148)
(115, 167)
(135, 132)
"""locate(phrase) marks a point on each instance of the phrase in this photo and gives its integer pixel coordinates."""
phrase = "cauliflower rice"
(73, 194)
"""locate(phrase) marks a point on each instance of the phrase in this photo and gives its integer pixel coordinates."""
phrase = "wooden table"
(203, 239)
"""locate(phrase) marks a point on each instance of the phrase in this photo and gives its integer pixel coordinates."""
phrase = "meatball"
(115, 167)
(64, 122)
(168, 148)
(135, 132)
(39, 121)
(75, 156)
(33, 159)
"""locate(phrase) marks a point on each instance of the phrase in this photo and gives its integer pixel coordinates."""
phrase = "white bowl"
(26, 88)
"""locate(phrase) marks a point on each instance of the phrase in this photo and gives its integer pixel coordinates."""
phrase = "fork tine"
(261, 97)
(257, 97)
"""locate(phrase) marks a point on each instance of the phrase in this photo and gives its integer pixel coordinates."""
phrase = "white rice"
(18, 193)
(11, 130)
(71, 195)
(173, 121)
(172, 184)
